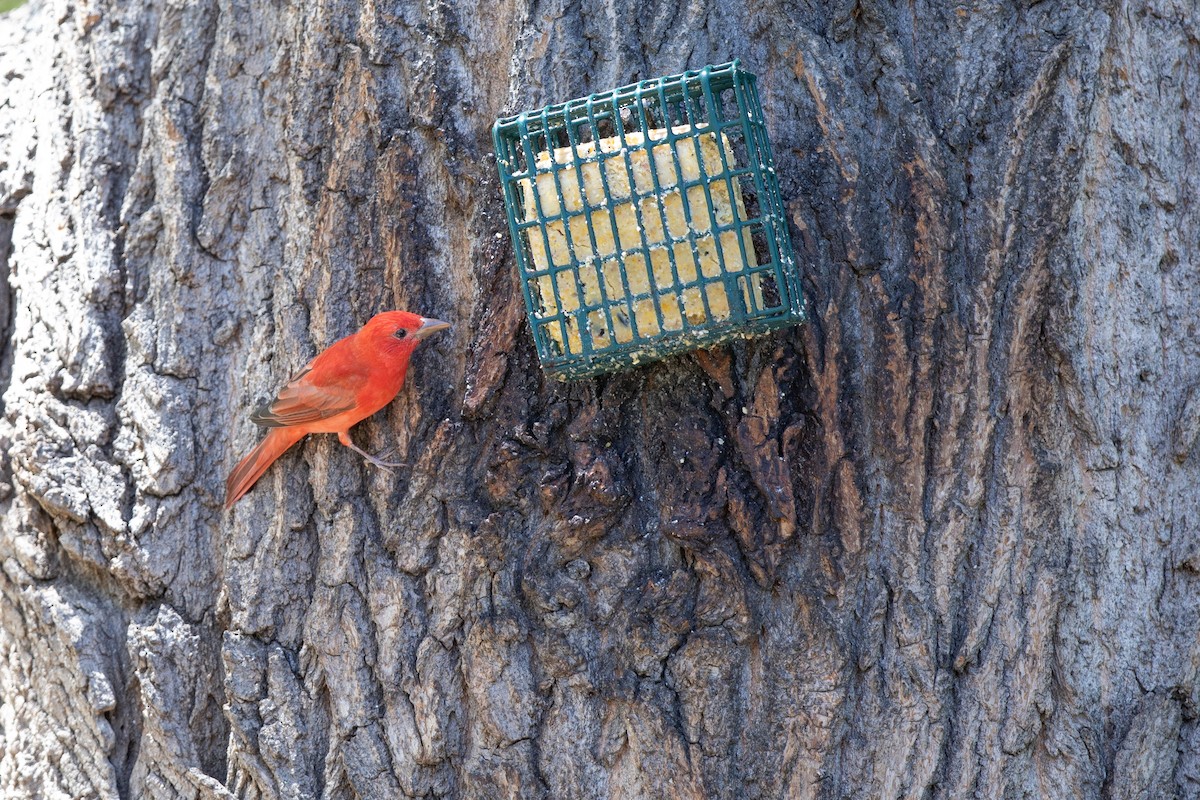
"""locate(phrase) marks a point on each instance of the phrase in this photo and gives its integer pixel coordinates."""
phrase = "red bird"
(342, 386)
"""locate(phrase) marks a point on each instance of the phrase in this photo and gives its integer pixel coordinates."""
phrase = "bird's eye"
(400, 334)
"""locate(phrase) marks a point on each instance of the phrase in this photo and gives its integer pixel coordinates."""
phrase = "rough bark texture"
(940, 542)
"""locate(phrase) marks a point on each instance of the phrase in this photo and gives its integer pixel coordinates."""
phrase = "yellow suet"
(645, 224)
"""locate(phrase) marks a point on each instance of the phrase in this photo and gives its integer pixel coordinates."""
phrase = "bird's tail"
(251, 468)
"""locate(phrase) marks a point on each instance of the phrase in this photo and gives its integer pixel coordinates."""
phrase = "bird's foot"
(386, 466)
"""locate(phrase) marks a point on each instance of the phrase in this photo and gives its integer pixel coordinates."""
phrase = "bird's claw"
(386, 466)
(380, 461)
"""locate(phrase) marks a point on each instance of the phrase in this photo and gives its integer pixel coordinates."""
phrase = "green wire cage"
(647, 221)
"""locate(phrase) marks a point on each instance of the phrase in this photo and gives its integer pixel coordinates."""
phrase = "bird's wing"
(303, 401)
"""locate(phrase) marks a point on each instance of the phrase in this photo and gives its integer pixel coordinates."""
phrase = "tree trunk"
(940, 541)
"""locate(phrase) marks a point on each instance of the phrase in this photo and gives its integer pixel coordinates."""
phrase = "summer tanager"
(342, 386)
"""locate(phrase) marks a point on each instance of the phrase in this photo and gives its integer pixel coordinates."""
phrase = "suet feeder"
(647, 221)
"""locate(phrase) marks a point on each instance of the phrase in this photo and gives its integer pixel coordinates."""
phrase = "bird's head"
(400, 331)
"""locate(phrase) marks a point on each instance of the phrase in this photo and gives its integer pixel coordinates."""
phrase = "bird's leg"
(344, 438)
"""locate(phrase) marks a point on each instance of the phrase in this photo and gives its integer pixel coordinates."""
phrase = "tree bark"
(941, 541)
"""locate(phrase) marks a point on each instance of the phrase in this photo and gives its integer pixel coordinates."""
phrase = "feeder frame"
(720, 102)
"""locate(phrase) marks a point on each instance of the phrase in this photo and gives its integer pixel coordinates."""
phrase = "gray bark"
(939, 542)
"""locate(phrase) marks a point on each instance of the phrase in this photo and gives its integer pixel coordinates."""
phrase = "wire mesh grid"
(647, 221)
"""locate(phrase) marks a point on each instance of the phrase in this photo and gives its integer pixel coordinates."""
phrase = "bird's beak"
(429, 326)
